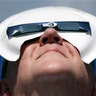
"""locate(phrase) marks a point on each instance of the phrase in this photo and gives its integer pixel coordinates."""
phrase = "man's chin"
(53, 72)
(53, 66)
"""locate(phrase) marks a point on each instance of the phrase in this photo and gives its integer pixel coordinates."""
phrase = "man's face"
(49, 55)
(51, 60)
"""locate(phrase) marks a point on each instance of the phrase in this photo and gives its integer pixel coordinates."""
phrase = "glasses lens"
(23, 29)
(26, 28)
(68, 26)
(75, 26)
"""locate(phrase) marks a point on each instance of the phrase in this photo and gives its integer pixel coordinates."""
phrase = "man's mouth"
(51, 51)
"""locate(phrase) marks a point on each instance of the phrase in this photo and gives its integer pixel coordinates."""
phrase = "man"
(50, 52)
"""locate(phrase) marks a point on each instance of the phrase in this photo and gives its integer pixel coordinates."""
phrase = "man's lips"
(51, 49)
(55, 51)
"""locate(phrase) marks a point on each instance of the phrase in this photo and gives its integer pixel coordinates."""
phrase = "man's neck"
(51, 89)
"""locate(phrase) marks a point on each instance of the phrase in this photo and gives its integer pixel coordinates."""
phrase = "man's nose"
(50, 36)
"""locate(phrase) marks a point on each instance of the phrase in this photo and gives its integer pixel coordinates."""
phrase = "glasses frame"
(24, 29)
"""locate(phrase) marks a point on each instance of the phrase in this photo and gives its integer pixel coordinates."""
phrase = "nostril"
(56, 39)
(45, 40)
